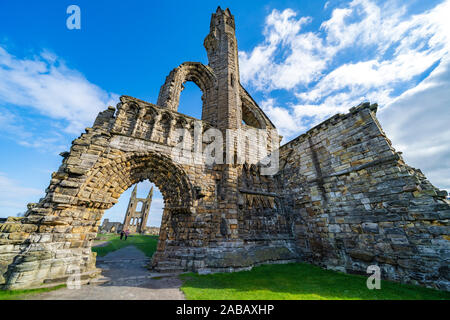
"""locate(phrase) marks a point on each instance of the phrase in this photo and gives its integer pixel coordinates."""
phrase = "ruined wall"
(110, 227)
(200, 229)
(54, 239)
(152, 231)
(45, 250)
(356, 203)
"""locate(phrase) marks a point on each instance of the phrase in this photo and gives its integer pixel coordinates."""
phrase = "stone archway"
(203, 76)
(109, 178)
(65, 222)
(202, 227)
(252, 114)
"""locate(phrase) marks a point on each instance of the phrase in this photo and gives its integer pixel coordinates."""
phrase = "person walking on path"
(126, 234)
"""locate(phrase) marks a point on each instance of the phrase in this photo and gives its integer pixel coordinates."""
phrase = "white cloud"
(417, 122)
(282, 31)
(26, 132)
(14, 197)
(289, 58)
(42, 102)
(47, 85)
(365, 51)
(283, 119)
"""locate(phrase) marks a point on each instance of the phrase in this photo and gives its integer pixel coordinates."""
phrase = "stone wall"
(110, 227)
(40, 251)
(356, 203)
(152, 231)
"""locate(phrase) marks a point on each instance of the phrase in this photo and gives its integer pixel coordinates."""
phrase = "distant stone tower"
(135, 221)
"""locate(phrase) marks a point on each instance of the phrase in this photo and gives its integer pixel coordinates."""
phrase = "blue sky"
(302, 61)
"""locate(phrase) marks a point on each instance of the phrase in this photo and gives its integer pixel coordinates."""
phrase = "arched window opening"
(249, 117)
(191, 100)
(127, 209)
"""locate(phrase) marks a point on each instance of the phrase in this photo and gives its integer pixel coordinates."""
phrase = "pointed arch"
(252, 114)
(129, 169)
(201, 75)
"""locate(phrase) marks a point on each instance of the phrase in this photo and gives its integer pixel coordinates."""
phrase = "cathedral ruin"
(135, 220)
(136, 216)
(341, 198)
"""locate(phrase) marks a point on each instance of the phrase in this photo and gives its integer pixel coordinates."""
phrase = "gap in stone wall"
(118, 211)
(191, 100)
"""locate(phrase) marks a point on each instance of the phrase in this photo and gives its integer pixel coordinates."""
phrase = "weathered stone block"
(370, 227)
(362, 255)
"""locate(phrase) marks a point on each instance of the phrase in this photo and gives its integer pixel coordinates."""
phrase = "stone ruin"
(115, 227)
(110, 227)
(151, 231)
(342, 199)
(135, 221)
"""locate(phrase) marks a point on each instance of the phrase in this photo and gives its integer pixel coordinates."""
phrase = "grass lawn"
(105, 237)
(17, 294)
(146, 244)
(296, 281)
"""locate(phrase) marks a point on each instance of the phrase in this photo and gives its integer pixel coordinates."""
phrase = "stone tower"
(221, 46)
(135, 221)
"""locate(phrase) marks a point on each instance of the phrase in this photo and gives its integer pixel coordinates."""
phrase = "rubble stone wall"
(356, 203)
(110, 227)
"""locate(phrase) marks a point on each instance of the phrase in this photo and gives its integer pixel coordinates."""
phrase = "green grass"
(105, 237)
(146, 244)
(18, 294)
(296, 281)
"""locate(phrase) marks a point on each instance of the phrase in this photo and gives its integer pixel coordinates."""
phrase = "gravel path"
(128, 277)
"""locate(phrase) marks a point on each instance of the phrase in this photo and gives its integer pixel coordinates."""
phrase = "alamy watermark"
(374, 281)
(74, 20)
(230, 146)
(74, 280)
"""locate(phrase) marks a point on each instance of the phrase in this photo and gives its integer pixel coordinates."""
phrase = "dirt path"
(128, 277)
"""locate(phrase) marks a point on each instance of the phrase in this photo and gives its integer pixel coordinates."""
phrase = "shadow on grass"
(297, 281)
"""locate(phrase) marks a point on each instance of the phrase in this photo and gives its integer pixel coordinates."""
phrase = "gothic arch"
(201, 75)
(252, 114)
(150, 120)
(109, 180)
(127, 112)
